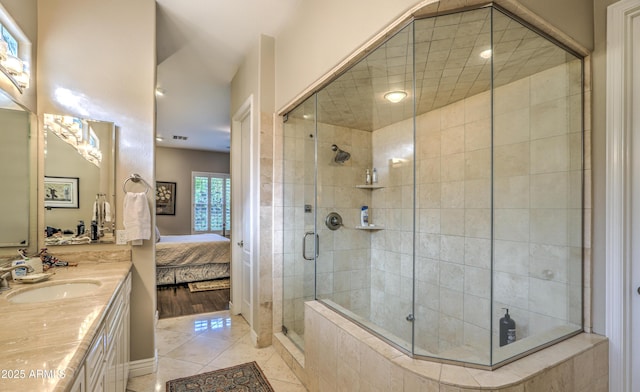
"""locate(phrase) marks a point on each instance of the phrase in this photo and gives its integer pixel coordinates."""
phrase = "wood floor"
(176, 300)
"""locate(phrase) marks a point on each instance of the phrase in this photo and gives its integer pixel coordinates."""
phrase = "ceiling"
(200, 45)
(448, 68)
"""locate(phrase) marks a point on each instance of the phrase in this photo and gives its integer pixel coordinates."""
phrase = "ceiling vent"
(178, 137)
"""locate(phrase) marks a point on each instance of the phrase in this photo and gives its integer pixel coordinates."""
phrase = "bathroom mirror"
(15, 126)
(79, 181)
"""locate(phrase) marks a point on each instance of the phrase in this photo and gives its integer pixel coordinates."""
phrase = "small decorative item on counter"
(49, 261)
(94, 231)
(52, 231)
(34, 262)
(80, 228)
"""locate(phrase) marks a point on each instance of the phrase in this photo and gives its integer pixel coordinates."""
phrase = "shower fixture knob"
(410, 318)
(333, 221)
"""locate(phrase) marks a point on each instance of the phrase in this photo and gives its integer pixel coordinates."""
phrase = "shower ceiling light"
(395, 96)
(486, 54)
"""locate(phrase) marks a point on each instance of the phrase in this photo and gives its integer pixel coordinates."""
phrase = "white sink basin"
(52, 292)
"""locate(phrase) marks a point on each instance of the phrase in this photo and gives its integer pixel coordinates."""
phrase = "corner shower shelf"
(369, 186)
(377, 227)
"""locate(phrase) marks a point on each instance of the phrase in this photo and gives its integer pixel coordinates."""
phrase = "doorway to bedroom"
(193, 189)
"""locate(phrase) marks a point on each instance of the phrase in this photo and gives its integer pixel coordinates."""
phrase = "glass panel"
(366, 271)
(298, 217)
(537, 190)
(217, 203)
(453, 175)
(200, 203)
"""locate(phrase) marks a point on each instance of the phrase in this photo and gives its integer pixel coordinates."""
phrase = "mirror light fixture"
(15, 69)
(395, 96)
(77, 133)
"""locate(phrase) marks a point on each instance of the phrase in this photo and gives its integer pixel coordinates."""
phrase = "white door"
(635, 207)
(246, 242)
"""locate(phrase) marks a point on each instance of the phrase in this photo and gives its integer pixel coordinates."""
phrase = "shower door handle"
(304, 245)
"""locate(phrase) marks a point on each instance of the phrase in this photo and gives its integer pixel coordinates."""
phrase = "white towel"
(101, 211)
(107, 211)
(136, 216)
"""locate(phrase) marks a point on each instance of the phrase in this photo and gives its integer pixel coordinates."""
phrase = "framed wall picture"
(61, 192)
(165, 198)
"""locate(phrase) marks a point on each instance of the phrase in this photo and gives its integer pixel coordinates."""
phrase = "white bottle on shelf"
(367, 178)
(374, 176)
(364, 216)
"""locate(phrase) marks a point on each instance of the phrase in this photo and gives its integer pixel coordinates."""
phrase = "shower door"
(299, 247)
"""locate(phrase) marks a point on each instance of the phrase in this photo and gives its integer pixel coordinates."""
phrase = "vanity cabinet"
(106, 366)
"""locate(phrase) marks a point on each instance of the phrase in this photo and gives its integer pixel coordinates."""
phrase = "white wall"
(97, 60)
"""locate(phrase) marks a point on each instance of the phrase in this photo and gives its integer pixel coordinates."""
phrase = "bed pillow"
(157, 234)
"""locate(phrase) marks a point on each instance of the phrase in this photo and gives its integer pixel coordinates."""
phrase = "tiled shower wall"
(343, 265)
(537, 225)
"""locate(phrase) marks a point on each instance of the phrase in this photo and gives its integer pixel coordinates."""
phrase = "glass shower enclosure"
(472, 122)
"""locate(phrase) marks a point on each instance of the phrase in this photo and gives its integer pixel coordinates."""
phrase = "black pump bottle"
(507, 329)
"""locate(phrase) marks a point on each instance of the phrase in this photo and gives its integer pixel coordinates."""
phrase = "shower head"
(341, 156)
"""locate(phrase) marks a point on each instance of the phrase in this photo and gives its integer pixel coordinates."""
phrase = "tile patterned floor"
(201, 343)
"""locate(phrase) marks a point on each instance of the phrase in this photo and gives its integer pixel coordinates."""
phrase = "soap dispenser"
(507, 329)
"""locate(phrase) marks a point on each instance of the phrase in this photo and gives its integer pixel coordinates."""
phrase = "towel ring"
(136, 179)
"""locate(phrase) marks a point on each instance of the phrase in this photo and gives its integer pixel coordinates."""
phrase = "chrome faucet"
(5, 272)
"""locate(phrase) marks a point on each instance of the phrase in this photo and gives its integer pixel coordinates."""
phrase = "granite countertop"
(43, 344)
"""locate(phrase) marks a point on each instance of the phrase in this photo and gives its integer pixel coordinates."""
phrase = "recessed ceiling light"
(160, 91)
(485, 54)
(395, 96)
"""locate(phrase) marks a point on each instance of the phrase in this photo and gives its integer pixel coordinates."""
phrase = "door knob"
(638, 290)
(241, 243)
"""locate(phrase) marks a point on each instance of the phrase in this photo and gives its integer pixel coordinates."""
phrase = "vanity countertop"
(42, 344)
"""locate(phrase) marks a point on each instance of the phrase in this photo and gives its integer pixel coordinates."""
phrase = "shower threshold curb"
(324, 328)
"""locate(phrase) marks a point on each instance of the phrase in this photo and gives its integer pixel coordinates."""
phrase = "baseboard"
(232, 310)
(143, 366)
(254, 338)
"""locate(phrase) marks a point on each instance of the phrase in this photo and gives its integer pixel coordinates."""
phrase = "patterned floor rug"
(207, 285)
(246, 377)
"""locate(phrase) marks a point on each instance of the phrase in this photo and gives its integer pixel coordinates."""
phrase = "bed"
(192, 258)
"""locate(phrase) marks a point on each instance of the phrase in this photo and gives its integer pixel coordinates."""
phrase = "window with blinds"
(211, 203)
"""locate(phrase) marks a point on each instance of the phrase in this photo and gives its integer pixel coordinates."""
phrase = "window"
(211, 210)
(12, 43)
